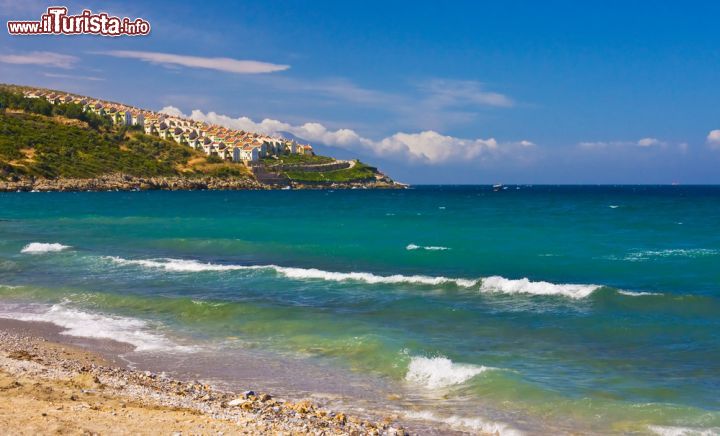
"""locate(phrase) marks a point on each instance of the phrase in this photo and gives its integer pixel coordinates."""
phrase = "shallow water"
(537, 309)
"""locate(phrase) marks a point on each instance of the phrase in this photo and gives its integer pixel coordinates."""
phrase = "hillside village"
(213, 140)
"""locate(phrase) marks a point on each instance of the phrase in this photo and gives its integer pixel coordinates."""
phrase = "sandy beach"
(51, 387)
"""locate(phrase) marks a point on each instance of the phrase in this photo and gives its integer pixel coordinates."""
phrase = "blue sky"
(430, 92)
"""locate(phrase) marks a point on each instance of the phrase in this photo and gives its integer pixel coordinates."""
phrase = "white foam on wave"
(439, 372)
(43, 247)
(478, 425)
(313, 273)
(94, 325)
(637, 294)
(427, 247)
(613, 206)
(489, 284)
(179, 265)
(683, 431)
(525, 286)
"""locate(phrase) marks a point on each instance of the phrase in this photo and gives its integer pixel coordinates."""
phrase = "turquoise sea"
(535, 309)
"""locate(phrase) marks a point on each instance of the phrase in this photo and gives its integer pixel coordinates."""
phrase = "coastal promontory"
(52, 141)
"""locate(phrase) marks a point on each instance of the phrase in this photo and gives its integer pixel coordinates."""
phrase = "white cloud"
(435, 104)
(172, 111)
(43, 58)
(445, 93)
(428, 146)
(73, 76)
(221, 64)
(713, 139)
(433, 147)
(644, 142)
(598, 144)
(648, 142)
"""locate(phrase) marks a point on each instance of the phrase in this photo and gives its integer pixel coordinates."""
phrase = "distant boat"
(497, 187)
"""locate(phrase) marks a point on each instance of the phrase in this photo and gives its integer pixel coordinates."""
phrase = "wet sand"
(51, 383)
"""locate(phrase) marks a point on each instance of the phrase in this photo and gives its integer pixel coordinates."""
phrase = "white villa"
(213, 140)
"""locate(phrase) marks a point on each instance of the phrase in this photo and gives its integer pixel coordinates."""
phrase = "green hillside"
(56, 141)
(52, 141)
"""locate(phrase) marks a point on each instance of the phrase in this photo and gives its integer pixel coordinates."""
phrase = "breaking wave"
(43, 247)
(440, 372)
(493, 284)
(179, 265)
(427, 247)
(525, 286)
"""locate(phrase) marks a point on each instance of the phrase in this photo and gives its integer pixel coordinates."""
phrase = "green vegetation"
(40, 106)
(41, 139)
(360, 172)
(36, 145)
(214, 159)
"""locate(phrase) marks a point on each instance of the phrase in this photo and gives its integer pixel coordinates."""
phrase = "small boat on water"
(497, 187)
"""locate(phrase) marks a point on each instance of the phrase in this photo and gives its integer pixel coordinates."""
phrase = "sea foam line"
(640, 256)
(181, 265)
(478, 425)
(637, 294)
(493, 284)
(43, 247)
(94, 325)
(683, 431)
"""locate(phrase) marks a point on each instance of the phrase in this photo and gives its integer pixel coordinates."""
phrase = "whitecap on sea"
(42, 247)
(525, 286)
(493, 284)
(426, 247)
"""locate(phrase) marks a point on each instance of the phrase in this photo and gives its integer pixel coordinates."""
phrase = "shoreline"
(56, 383)
(120, 182)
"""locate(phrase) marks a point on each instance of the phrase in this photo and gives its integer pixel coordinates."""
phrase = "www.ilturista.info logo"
(57, 22)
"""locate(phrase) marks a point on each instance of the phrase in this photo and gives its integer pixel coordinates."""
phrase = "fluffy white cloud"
(221, 64)
(429, 146)
(433, 147)
(713, 139)
(43, 58)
